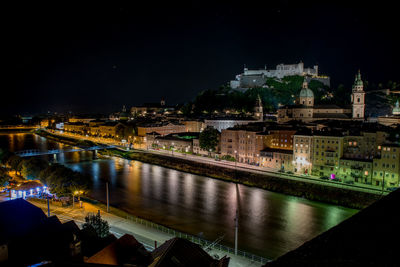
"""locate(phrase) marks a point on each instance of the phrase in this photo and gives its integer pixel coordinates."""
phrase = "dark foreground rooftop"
(369, 238)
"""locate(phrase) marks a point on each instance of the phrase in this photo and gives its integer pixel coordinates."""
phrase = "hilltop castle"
(257, 78)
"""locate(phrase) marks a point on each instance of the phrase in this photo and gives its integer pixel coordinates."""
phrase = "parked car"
(349, 182)
(324, 177)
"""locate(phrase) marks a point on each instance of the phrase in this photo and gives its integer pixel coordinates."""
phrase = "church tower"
(358, 98)
(258, 110)
(306, 97)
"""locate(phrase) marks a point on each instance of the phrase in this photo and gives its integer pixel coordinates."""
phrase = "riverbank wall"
(316, 192)
(64, 139)
(333, 195)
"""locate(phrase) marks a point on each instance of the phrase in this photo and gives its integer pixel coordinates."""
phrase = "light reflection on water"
(270, 224)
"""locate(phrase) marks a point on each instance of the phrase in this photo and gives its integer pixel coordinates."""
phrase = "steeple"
(258, 109)
(358, 83)
(358, 97)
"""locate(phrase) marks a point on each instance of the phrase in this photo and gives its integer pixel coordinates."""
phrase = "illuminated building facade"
(327, 151)
(386, 166)
(241, 144)
(302, 153)
(277, 159)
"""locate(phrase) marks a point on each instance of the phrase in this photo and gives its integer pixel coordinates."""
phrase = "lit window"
(366, 172)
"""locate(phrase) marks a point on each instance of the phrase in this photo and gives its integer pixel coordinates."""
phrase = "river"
(270, 224)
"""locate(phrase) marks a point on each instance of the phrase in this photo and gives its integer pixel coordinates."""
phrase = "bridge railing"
(198, 240)
(36, 152)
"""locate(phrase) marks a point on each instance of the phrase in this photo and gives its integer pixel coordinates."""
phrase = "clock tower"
(358, 98)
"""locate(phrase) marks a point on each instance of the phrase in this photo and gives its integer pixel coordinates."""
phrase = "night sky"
(97, 58)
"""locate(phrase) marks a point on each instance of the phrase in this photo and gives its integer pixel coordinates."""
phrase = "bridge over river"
(37, 152)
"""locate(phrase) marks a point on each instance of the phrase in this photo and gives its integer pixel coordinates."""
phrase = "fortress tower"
(358, 98)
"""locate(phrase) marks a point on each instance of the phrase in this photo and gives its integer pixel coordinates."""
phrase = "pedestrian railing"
(198, 240)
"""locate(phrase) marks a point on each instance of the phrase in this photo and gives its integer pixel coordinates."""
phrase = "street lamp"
(78, 193)
(235, 159)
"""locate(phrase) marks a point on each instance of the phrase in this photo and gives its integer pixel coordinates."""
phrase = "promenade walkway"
(120, 226)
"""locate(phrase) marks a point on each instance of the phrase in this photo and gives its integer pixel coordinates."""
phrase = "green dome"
(306, 92)
(123, 116)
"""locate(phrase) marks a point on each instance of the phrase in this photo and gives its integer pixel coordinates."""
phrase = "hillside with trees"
(276, 92)
(284, 92)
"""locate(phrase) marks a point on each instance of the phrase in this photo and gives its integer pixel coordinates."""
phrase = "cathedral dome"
(306, 92)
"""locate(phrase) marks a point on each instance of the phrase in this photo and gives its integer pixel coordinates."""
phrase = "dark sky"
(97, 58)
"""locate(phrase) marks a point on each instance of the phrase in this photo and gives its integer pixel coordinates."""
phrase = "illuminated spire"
(358, 83)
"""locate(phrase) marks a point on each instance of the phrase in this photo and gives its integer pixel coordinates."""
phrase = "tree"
(32, 167)
(208, 139)
(341, 95)
(62, 180)
(4, 155)
(14, 162)
(4, 178)
(96, 223)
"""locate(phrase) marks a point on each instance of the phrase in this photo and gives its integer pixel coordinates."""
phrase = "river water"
(270, 224)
